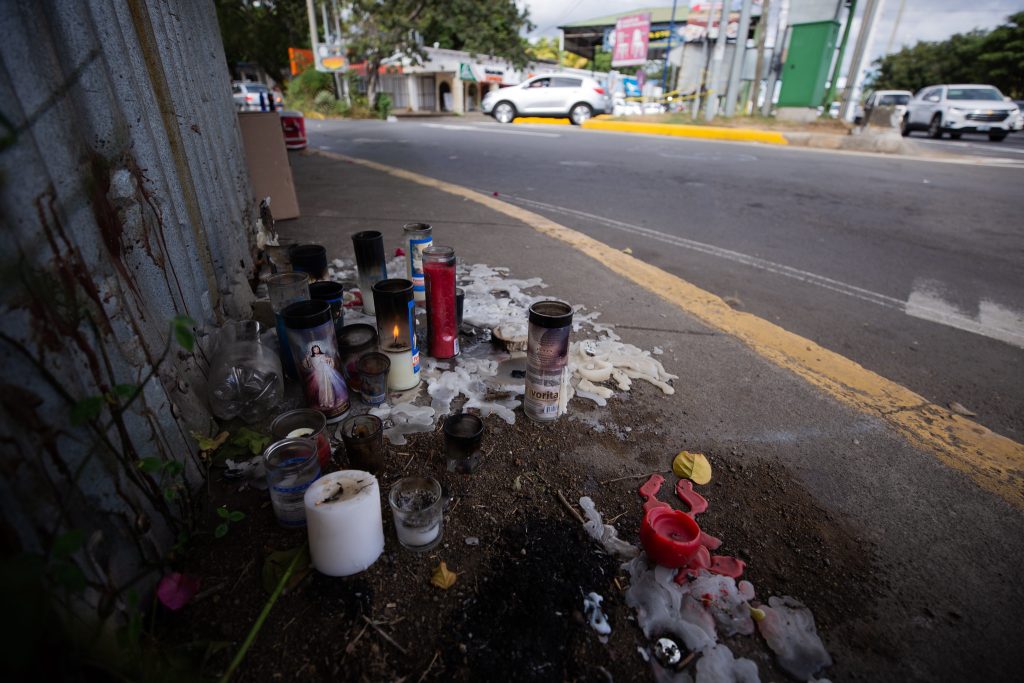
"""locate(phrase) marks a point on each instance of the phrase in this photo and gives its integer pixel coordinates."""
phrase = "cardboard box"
(267, 159)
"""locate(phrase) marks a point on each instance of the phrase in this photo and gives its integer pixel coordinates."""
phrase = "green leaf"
(174, 468)
(277, 563)
(67, 544)
(221, 530)
(151, 465)
(183, 332)
(125, 390)
(69, 576)
(85, 410)
(171, 494)
(209, 443)
(251, 440)
(236, 516)
(223, 512)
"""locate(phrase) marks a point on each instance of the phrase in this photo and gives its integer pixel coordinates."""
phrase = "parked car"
(896, 99)
(551, 95)
(251, 96)
(958, 109)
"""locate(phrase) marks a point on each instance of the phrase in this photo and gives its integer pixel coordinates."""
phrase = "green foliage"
(546, 49)
(262, 32)
(183, 332)
(309, 84)
(994, 57)
(382, 105)
(229, 517)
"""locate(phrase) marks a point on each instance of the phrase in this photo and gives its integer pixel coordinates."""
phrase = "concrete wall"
(124, 201)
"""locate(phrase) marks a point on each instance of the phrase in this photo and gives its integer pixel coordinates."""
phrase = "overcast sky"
(922, 19)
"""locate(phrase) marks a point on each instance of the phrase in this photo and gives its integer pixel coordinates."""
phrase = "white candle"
(300, 432)
(418, 536)
(343, 515)
(405, 371)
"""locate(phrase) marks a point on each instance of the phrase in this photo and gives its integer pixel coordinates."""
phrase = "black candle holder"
(396, 322)
(370, 264)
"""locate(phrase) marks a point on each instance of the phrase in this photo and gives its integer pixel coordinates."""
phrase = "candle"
(284, 289)
(418, 236)
(546, 359)
(315, 350)
(417, 506)
(296, 433)
(343, 515)
(442, 316)
(396, 326)
(370, 264)
(670, 537)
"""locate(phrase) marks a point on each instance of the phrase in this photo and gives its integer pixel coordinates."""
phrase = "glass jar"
(370, 264)
(284, 289)
(442, 308)
(418, 236)
(311, 338)
(245, 379)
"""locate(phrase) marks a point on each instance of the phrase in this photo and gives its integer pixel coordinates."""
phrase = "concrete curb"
(686, 131)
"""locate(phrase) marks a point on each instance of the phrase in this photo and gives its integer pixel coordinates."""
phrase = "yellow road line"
(994, 462)
(688, 131)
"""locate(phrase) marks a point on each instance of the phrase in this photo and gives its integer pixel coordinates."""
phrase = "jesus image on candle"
(322, 379)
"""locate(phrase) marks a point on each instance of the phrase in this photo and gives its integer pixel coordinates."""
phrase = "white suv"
(551, 95)
(958, 109)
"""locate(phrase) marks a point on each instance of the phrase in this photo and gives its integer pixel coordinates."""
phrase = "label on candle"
(415, 256)
(546, 357)
(412, 340)
(316, 354)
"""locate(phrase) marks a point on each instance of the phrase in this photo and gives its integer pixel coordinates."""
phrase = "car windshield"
(892, 100)
(252, 87)
(974, 94)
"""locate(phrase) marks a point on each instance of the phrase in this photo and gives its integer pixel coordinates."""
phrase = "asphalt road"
(912, 268)
(976, 145)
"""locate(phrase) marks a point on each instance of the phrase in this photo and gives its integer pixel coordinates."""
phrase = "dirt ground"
(515, 611)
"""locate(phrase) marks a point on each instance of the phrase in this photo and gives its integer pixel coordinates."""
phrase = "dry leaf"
(443, 577)
(692, 466)
(207, 443)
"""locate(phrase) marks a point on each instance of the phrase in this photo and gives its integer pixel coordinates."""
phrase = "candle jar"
(670, 537)
(417, 506)
(363, 436)
(304, 424)
(370, 264)
(313, 345)
(309, 258)
(245, 378)
(418, 236)
(460, 301)
(332, 293)
(284, 289)
(292, 466)
(442, 309)
(343, 515)
(354, 342)
(547, 350)
(396, 329)
(373, 377)
(462, 436)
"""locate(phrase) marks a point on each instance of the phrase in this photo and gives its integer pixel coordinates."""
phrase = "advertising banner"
(631, 38)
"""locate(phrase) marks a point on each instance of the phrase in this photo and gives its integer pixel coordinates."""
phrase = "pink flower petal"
(176, 590)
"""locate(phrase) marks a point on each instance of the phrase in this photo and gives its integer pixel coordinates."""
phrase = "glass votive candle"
(285, 289)
(396, 330)
(309, 258)
(354, 342)
(460, 302)
(370, 264)
(292, 466)
(462, 436)
(442, 312)
(418, 509)
(333, 293)
(373, 377)
(417, 237)
(304, 423)
(363, 436)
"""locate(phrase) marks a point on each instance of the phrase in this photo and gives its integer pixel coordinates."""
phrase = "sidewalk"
(824, 503)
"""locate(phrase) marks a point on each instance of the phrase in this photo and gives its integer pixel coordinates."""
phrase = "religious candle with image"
(418, 236)
(310, 330)
(547, 355)
(396, 329)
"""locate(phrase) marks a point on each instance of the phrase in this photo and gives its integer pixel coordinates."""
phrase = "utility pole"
(313, 33)
(895, 27)
(737, 59)
(779, 40)
(867, 27)
(761, 38)
(837, 69)
(717, 57)
(668, 48)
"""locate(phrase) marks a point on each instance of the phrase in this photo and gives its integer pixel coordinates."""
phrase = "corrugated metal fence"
(125, 202)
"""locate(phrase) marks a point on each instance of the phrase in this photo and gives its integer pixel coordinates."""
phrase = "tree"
(379, 29)
(262, 32)
(546, 49)
(995, 57)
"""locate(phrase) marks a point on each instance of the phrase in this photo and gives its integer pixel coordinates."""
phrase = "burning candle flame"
(396, 333)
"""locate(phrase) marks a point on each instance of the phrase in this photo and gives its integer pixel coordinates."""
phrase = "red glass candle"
(670, 537)
(442, 323)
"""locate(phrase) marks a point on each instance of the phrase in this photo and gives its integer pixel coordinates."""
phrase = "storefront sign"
(631, 38)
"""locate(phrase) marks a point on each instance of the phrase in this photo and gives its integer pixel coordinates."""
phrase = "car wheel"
(504, 112)
(935, 127)
(580, 113)
(905, 126)
(997, 135)
(955, 136)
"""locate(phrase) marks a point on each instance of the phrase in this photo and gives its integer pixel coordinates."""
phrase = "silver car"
(958, 109)
(552, 95)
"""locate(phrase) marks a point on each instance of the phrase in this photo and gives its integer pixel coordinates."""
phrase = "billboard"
(631, 37)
